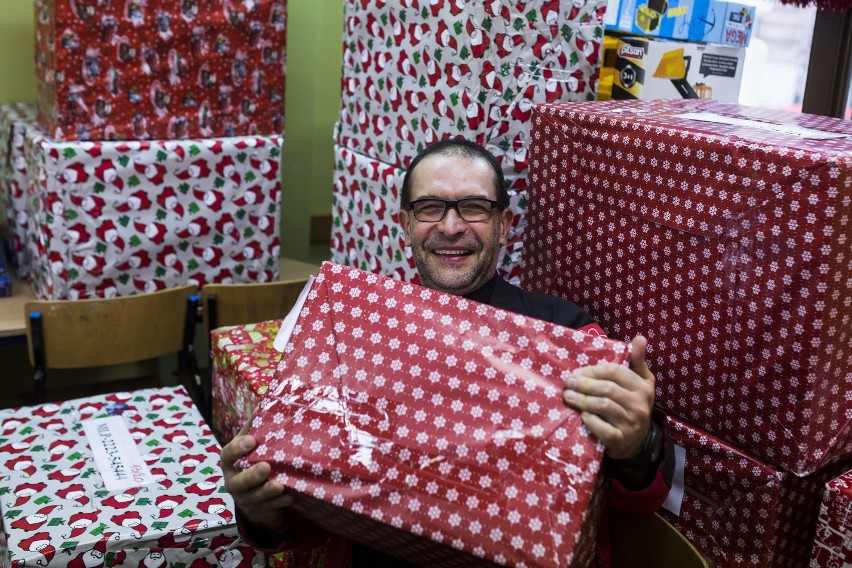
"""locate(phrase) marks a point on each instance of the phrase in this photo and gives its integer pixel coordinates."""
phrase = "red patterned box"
(244, 363)
(160, 69)
(406, 417)
(722, 233)
(736, 509)
(833, 543)
(125, 479)
(117, 218)
(15, 120)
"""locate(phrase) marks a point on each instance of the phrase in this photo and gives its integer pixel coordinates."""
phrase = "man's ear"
(404, 222)
(506, 217)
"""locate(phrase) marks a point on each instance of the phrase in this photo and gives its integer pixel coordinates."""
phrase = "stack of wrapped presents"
(151, 158)
(721, 233)
(689, 49)
(418, 72)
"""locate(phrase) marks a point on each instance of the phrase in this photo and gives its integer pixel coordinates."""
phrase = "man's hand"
(615, 402)
(260, 500)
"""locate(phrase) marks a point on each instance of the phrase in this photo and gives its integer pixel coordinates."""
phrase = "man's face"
(453, 255)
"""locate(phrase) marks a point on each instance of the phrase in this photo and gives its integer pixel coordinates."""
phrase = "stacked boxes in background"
(416, 74)
(65, 502)
(643, 60)
(721, 233)
(160, 69)
(155, 161)
(15, 121)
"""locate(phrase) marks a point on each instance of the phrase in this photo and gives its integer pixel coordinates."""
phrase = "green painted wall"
(314, 50)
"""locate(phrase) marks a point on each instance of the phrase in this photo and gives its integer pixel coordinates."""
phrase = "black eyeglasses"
(470, 209)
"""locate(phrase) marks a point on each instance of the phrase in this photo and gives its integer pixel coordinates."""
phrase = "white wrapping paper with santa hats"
(432, 426)
(119, 479)
(118, 218)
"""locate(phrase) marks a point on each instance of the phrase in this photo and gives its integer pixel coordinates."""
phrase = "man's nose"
(452, 223)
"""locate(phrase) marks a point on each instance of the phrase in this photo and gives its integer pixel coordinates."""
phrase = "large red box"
(721, 233)
(406, 418)
(737, 510)
(160, 69)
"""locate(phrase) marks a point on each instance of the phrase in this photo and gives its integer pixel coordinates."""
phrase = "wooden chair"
(639, 541)
(238, 304)
(77, 334)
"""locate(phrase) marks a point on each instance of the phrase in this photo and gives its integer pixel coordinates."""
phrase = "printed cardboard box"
(366, 232)
(244, 363)
(721, 233)
(155, 499)
(432, 426)
(15, 119)
(738, 510)
(643, 68)
(117, 218)
(160, 69)
(703, 21)
(833, 545)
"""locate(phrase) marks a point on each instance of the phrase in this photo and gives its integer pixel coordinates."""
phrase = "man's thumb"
(638, 349)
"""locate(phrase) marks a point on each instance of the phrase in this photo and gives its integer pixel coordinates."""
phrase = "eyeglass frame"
(454, 204)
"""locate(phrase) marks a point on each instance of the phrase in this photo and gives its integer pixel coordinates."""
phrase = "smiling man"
(455, 216)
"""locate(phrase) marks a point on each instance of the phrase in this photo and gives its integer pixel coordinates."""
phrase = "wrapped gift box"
(703, 21)
(117, 218)
(15, 119)
(833, 542)
(59, 509)
(244, 362)
(738, 510)
(722, 234)
(432, 426)
(366, 232)
(645, 68)
(160, 69)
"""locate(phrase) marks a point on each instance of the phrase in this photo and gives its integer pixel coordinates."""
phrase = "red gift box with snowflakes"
(159, 69)
(366, 232)
(721, 233)
(432, 426)
(244, 363)
(117, 218)
(15, 119)
(833, 542)
(736, 509)
(60, 507)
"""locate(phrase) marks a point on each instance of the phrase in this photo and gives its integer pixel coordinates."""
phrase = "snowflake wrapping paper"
(366, 232)
(56, 510)
(833, 542)
(433, 427)
(244, 363)
(740, 511)
(15, 119)
(721, 233)
(118, 218)
(159, 69)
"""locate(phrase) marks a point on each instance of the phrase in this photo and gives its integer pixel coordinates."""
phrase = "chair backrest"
(74, 334)
(639, 541)
(235, 304)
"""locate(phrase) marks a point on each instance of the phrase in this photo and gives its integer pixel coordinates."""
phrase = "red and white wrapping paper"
(15, 119)
(244, 363)
(723, 236)
(159, 69)
(118, 218)
(366, 232)
(738, 510)
(402, 415)
(418, 72)
(56, 510)
(833, 542)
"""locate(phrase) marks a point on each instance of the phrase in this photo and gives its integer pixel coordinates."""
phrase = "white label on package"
(289, 322)
(789, 129)
(675, 497)
(116, 456)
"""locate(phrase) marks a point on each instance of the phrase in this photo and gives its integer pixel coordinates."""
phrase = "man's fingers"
(601, 405)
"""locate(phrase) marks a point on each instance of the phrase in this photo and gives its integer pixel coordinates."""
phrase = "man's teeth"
(451, 252)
